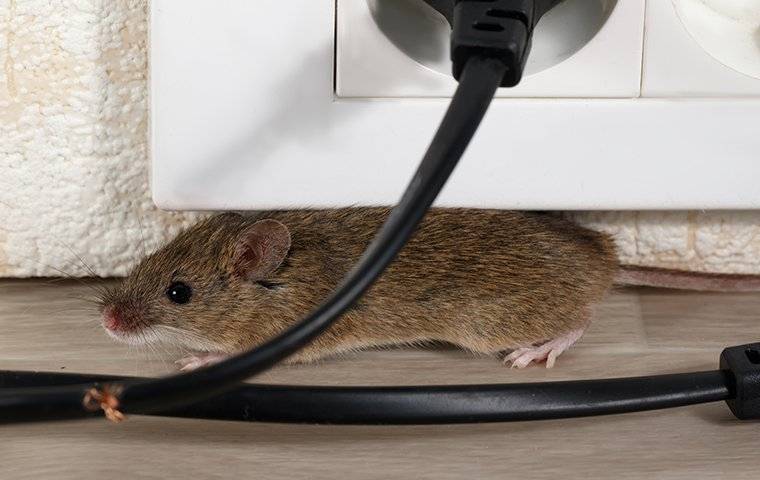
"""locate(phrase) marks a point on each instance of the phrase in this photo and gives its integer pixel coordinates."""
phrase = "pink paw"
(193, 362)
(549, 351)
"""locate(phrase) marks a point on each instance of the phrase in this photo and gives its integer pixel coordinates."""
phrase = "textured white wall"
(73, 137)
(726, 242)
(73, 155)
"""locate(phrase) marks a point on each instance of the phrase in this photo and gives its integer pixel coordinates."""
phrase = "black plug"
(743, 365)
(446, 7)
(500, 29)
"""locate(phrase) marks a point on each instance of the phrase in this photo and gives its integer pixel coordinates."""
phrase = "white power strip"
(252, 108)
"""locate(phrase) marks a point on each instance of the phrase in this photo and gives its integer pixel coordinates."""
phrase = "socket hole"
(728, 30)
(753, 355)
(488, 27)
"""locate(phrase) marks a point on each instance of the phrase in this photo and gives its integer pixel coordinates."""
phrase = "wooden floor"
(44, 326)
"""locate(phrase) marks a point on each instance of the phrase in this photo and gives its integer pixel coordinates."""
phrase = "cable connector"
(501, 29)
(497, 29)
(743, 364)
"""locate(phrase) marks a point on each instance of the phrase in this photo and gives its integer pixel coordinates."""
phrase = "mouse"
(517, 285)
(494, 282)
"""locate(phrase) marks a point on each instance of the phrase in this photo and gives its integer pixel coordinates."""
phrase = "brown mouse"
(488, 281)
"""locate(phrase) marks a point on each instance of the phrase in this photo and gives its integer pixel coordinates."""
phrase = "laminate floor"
(46, 326)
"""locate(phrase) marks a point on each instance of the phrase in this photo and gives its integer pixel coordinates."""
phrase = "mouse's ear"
(260, 249)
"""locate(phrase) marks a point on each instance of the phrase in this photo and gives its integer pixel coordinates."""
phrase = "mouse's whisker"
(164, 355)
(154, 347)
(54, 280)
(78, 257)
(90, 324)
(186, 338)
(99, 290)
(88, 300)
(149, 351)
(130, 355)
(67, 310)
(90, 306)
(66, 275)
(45, 309)
(142, 235)
(137, 347)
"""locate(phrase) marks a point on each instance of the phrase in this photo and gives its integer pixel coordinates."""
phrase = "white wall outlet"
(245, 113)
(400, 48)
(702, 48)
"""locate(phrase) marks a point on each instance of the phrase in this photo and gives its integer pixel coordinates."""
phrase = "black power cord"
(490, 43)
(429, 404)
(737, 382)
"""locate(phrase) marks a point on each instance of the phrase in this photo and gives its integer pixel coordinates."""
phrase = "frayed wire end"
(105, 398)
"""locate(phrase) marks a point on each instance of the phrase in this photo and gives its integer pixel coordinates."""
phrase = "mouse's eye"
(179, 292)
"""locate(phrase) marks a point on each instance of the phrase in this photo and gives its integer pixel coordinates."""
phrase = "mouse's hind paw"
(193, 362)
(549, 351)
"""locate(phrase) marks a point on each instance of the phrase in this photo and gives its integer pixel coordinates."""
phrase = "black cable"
(481, 77)
(430, 404)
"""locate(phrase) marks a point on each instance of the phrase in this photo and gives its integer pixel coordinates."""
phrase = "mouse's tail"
(630, 275)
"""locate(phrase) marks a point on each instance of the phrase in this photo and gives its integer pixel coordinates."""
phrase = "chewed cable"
(432, 404)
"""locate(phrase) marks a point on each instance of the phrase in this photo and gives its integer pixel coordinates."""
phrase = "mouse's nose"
(120, 317)
(112, 318)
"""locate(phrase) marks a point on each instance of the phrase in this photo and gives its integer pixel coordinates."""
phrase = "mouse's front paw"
(193, 362)
(549, 351)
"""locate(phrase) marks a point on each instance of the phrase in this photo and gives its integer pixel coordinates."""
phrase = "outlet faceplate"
(399, 48)
(686, 41)
(245, 116)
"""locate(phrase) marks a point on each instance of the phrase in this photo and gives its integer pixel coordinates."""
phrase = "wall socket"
(400, 48)
(645, 107)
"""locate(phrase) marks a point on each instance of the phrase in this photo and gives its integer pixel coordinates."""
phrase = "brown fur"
(484, 280)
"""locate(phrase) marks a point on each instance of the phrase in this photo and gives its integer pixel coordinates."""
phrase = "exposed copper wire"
(105, 398)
